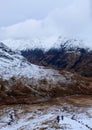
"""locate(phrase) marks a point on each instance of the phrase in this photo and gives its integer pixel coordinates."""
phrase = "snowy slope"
(37, 117)
(13, 64)
(68, 124)
(43, 43)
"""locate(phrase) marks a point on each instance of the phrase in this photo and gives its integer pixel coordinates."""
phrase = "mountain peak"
(44, 43)
(5, 49)
(3, 46)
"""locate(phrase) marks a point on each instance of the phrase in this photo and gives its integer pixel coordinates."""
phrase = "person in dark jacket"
(58, 118)
(62, 117)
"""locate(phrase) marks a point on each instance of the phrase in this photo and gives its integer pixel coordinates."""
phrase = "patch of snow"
(72, 124)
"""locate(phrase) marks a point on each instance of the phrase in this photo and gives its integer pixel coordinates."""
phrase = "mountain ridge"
(44, 43)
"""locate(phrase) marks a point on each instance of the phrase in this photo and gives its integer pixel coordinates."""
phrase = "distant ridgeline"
(76, 59)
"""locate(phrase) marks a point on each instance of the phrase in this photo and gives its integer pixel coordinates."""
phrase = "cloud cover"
(73, 20)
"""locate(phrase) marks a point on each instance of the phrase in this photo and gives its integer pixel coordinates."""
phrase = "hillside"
(72, 58)
(32, 96)
(13, 64)
(56, 52)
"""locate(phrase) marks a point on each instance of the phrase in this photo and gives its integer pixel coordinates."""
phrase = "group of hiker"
(60, 118)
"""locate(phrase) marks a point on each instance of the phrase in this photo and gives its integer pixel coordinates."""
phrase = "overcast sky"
(45, 18)
(15, 11)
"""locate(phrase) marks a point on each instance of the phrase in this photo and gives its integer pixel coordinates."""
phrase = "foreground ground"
(77, 112)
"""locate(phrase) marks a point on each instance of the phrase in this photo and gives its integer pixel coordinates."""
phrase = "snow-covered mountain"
(56, 53)
(13, 64)
(65, 54)
(43, 43)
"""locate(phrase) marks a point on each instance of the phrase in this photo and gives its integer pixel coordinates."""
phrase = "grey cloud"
(72, 20)
(15, 11)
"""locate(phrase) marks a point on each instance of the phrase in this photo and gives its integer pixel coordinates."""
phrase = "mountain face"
(23, 82)
(58, 53)
(69, 57)
(13, 64)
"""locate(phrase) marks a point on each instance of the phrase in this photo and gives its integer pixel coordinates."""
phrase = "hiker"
(73, 117)
(12, 117)
(62, 117)
(58, 119)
